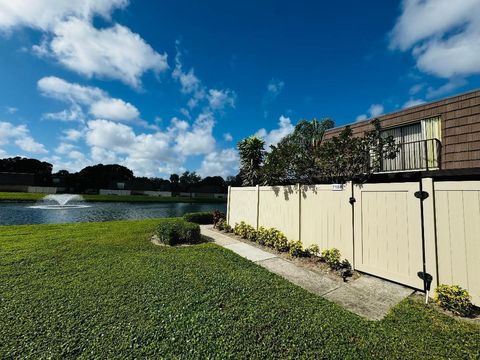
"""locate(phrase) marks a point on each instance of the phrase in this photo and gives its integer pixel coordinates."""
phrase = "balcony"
(415, 156)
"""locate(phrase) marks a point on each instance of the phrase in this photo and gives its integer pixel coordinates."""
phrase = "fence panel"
(279, 208)
(457, 210)
(388, 240)
(326, 218)
(243, 205)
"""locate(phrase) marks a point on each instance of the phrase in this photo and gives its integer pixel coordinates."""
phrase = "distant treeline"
(113, 176)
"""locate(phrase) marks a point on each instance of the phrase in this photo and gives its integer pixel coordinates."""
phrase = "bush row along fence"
(385, 229)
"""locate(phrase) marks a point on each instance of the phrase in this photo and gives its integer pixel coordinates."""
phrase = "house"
(441, 135)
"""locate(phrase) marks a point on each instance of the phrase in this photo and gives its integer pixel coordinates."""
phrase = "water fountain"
(60, 201)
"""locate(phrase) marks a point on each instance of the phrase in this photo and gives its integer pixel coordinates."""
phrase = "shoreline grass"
(32, 197)
(103, 290)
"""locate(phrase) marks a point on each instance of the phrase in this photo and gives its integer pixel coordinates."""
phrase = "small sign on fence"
(337, 187)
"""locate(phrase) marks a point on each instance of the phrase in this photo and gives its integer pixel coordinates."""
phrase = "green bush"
(241, 229)
(295, 248)
(262, 235)
(455, 299)
(313, 250)
(202, 218)
(178, 231)
(280, 241)
(251, 233)
(332, 258)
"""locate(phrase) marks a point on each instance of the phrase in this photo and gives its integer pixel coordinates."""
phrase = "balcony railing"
(415, 155)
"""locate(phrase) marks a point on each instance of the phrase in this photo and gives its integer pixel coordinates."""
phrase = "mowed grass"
(19, 196)
(102, 290)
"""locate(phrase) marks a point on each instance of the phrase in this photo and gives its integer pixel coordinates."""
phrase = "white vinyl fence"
(378, 226)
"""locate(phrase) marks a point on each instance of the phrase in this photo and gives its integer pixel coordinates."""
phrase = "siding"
(460, 117)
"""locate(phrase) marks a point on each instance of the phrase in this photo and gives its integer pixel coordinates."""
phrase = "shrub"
(345, 269)
(243, 229)
(280, 242)
(455, 299)
(313, 250)
(227, 228)
(217, 217)
(203, 218)
(178, 231)
(221, 224)
(262, 235)
(332, 258)
(295, 248)
(251, 233)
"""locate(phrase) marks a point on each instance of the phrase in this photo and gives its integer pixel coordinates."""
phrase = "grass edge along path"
(32, 197)
(103, 290)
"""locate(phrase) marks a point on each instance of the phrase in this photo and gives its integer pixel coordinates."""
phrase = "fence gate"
(387, 232)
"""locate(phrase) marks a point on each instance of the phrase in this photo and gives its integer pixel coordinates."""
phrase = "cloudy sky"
(172, 85)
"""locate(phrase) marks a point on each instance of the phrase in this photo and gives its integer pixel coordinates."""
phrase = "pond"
(31, 213)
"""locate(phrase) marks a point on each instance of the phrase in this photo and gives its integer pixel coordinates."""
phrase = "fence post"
(299, 188)
(228, 204)
(257, 188)
(430, 230)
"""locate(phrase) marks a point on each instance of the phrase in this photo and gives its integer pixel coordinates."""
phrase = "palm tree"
(252, 153)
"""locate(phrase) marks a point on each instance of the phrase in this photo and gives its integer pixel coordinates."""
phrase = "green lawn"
(102, 290)
(19, 196)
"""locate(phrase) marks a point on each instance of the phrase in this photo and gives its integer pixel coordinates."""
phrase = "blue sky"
(162, 87)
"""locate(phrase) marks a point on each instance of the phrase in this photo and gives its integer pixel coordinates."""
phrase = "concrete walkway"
(366, 296)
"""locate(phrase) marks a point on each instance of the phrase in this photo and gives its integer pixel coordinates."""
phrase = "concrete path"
(366, 296)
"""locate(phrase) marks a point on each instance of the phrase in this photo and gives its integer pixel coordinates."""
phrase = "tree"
(102, 176)
(293, 160)
(41, 169)
(251, 158)
(189, 179)
(347, 157)
(174, 179)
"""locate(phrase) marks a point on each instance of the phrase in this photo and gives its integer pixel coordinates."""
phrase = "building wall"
(460, 118)
(113, 192)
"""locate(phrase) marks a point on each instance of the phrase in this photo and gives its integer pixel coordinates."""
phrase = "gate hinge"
(352, 200)
(422, 195)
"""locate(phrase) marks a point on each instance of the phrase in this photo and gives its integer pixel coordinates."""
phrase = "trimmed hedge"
(178, 231)
(202, 218)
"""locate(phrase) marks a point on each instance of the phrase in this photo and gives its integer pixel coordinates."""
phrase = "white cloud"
(44, 14)
(112, 53)
(20, 136)
(373, 111)
(64, 148)
(274, 88)
(413, 102)
(97, 101)
(109, 135)
(10, 110)
(190, 84)
(443, 35)
(148, 154)
(74, 113)
(227, 137)
(219, 99)
(285, 127)
(114, 109)
(199, 140)
(223, 163)
(70, 38)
(72, 134)
(446, 88)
